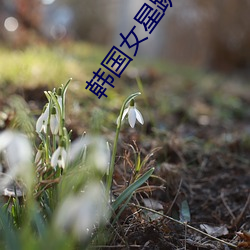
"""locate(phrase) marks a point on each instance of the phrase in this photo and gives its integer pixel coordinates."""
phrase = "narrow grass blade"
(128, 191)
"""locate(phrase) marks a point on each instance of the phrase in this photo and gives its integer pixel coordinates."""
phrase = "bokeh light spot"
(11, 24)
(47, 2)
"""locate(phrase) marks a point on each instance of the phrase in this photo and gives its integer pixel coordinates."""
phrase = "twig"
(227, 207)
(185, 242)
(175, 198)
(239, 217)
(184, 224)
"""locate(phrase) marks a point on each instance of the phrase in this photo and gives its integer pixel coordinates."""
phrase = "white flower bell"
(79, 214)
(59, 97)
(42, 122)
(59, 157)
(54, 121)
(39, 154)
(133, 114)
(17, 152)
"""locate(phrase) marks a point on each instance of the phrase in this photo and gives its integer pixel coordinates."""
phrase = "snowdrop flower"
(98, 152)
(54, 121)
(59, 99)
(133, 114)
(39, 154)
(42, 122)
(17, 152)
(59, 157)
(79, 214)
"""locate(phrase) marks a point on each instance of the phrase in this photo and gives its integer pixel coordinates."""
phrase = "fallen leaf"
(185, 212)
(215, 231)
(153, 204)
(245, 236)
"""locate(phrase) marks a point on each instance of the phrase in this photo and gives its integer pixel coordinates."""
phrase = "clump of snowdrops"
(61, 190)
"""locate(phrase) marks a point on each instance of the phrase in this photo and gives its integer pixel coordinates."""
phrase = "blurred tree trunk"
(92, 20)
(214, 33)
(229, 34)
(28, 15)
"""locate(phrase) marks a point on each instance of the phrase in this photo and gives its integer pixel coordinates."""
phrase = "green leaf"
(185, 212)
(39, 222)
(138, 163)
(10, 236)
(129, 190)
(122, 209)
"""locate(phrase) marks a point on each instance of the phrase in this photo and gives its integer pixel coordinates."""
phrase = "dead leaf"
(152, 204)
(245, 236)
(215, 231)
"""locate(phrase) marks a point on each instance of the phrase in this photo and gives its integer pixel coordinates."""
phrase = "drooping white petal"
(54, 124)
(46, 113)
(63, 158)
(98, 152)
(59, 158)
(132, 117)
(77, 148)
(38, 156)
(55, 156)
(44, 127)
(59, 99)
(101, 154)
(78, 214)
(139, 116)
(61, 163)
(39, 123)
(125, 112)
(19, 151)
(18, 156)
(5, 139)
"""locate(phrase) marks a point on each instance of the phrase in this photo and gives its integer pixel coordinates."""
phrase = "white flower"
(39, 155)
(59, 158)
(79, 214)
(54, 121)
(99, 155)
(98, 152)
(133, 114)
(42, 122)
(59, 99)
(17, 152)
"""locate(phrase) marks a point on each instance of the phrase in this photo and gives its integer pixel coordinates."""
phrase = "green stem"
(47, 141)
(112, 164)
(65, 87)
(54, 142)
(59, 111)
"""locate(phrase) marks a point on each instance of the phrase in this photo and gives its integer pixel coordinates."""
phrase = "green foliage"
(131, 189)
(67, 205)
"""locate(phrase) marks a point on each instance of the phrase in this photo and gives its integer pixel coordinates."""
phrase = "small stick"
(184, 224)
(227, 207)
(239, 217)
(175, 198)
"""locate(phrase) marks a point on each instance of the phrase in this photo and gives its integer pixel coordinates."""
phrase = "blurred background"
(197, 57)
(213, 34)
